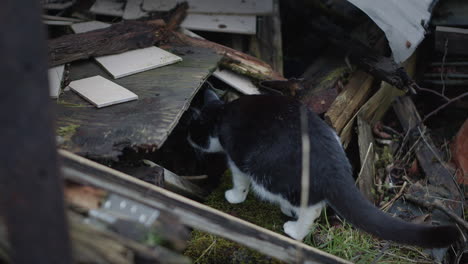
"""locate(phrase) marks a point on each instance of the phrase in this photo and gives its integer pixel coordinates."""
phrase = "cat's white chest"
(214, 145)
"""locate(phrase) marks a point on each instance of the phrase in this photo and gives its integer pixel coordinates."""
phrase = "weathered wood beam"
(91, 244)
(376, 107)
(267, 43)
(366, 143)
(234, 60)
(118, 38)
(191, 213)
(31, 196)
(355, 93)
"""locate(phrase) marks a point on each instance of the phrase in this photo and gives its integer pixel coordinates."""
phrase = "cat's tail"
(348, 201)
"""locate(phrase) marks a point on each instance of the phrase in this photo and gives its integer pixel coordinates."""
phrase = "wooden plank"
(164, 94)
(375, 108)
(112, 40)
(267, 44)
(350, 100)
(366, 143)
(102, 92)
(237, 81)
(234, 60)
(31, 195)
(456, 39)
(94, 244)
(246, 24)
(233, 7)
(108, 7)
(192, 213)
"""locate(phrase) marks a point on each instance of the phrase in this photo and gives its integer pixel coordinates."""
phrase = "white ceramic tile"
(88, 26)
(129, 62)
(55, 80)
(190, 33)
(237, 81)
(102, 92)
(133, 10)
(108, 7)
(135, 61)
(222, 23)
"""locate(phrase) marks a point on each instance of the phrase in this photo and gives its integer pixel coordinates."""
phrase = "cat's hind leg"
(287, 208)
(241, 183)
(300, 228)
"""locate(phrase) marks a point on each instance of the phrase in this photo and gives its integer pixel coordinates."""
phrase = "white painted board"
(135, 61)
(101, 92)
(88, 26)
(233, 7)
(222, 23)
(108, 7)
(237, 81)
(401, 21)
(190, 33)
(129, 62)
(55, 80)
(133, 10)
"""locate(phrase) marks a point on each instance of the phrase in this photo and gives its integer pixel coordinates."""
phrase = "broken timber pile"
(190, 213)
(331, 86)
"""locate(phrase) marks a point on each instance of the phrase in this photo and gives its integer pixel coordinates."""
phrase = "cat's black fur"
(261, 135)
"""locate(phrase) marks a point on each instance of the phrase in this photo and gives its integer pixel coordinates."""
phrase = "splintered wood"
(191, 213)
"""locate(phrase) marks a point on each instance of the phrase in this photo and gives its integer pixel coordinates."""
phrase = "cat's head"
(202, 131)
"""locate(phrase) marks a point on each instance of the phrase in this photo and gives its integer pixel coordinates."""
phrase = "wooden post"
(31, 199)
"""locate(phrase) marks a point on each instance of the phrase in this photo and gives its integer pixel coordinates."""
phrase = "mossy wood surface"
(164, 94)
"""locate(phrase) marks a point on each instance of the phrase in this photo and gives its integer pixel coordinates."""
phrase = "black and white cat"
(261, 137)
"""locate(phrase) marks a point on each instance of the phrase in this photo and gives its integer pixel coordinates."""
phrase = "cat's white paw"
(290, 228)
(235, 196)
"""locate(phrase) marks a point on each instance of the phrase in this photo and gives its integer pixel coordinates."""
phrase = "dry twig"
(438, 205)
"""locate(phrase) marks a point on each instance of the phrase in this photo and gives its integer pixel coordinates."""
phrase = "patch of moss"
(385, 157)
(208, 249)
(334, 75)
(71, 104)
(67, 131)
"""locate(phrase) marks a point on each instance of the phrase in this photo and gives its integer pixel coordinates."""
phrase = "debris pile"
(125, 77)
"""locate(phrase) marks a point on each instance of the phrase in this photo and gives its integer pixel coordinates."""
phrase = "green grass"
(343, 240)
(67, 131)
(339, 239)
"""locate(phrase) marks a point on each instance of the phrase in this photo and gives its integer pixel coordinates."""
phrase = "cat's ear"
(210, 97)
